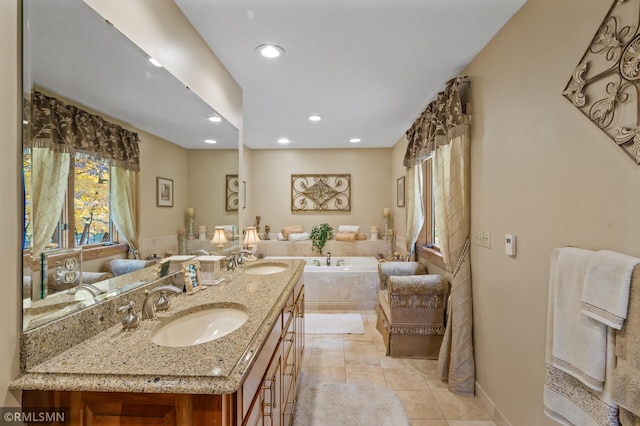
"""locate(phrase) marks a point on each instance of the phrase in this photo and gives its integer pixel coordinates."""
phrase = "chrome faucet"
(149, 305)
(316, 262)
(328, 258)
(95, 291)
(236, 259)
(339, 261)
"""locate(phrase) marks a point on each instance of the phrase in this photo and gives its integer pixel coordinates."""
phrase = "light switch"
(510, 244)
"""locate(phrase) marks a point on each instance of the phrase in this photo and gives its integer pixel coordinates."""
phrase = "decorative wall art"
(231, 193)
(605, 86)
(164, 192)
(325, 193)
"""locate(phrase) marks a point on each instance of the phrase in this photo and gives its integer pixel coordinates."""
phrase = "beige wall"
(540, 170)
(269, 189)
(10, 209)
(159, 158)
(207, 178)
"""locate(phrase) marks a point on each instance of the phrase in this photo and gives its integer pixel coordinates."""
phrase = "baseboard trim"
(492, 409)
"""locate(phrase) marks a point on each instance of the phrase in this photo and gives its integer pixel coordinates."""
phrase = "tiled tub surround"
(90, 352)
(353, 286)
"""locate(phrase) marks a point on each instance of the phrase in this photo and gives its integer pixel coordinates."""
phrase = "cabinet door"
(299, 329)
(266, 409)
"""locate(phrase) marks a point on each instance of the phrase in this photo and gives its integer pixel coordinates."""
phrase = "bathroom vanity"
(247, 377)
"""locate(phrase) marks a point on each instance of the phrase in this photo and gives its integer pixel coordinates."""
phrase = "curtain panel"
(442, 130)
(66, 128)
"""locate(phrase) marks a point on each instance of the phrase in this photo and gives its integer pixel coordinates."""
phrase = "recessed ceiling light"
(315, 117)
(270, 51)
(155, 62)
(283, 140)
(209, 141)
(354, 140)
(215, 119)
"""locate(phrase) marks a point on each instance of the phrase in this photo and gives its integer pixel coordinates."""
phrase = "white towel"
(299, 236)
(566, 399)
(349, 228)
(579, 347)
(605, 296)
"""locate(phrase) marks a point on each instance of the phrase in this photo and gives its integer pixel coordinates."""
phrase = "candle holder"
(387, 226)
(392, 247)
(190, 234)
(182, 243)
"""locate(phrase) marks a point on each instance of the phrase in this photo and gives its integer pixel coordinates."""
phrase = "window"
(428, 245)
(85, 218)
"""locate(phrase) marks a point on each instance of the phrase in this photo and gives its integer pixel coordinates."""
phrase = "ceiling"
(368, 67)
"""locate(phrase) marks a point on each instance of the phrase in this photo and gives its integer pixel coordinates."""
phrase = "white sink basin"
(267, 269)
(199, 327)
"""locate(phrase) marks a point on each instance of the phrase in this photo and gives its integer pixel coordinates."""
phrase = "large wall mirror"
(74, 58)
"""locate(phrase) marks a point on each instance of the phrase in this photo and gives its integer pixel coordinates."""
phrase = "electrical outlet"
(483, 238)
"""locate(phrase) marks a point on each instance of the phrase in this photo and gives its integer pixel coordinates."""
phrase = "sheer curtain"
(415, 206)
(125, 206)
(50, 170)
(443, 129)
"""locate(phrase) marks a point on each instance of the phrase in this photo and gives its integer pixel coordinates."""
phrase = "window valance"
(66, 128)
(441, 121)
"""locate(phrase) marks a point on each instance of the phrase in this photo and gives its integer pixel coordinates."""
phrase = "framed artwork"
(321, 193)
(231, 193)
(400, 189)
(192, 276)
(164, 192)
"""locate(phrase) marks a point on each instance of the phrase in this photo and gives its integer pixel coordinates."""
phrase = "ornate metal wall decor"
(325, 193)
(605, 86)
(231, 193)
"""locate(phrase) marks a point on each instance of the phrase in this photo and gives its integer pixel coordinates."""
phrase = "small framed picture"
(400, 189)
(192, 276)
(164, 192)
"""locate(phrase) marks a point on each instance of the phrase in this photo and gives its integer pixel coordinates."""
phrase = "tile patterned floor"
(360, 358)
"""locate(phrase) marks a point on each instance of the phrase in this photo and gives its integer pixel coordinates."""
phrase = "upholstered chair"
(411, 310)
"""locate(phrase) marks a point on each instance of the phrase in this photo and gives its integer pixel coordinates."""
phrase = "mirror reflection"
(102, 125)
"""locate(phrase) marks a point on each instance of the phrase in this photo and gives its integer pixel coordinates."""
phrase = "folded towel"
(294, 229)
(626, 377)
(361, 236)
(281, 237)
(345, 236)
(605, 295)
(579, 347)
(299, 236)
(567, 400)
(348, 228)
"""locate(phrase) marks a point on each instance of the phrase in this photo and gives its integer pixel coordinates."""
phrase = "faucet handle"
(131, 318)
(163, 303)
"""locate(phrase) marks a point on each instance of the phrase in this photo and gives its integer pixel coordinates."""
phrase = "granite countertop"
(128, 361)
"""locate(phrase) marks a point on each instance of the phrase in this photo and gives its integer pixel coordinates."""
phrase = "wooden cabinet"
(275, 398)
(267, 396)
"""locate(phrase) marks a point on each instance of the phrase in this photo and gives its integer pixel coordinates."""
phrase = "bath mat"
(332, 404)
(333, 324)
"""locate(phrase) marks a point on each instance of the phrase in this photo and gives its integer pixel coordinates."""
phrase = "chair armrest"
(418, 285)
(388, 269)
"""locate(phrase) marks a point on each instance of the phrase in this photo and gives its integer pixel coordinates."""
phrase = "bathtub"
(353, 285)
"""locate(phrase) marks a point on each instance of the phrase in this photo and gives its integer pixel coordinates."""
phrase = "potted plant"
(319, 236)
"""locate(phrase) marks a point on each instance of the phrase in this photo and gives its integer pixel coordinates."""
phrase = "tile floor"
(360, 358)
